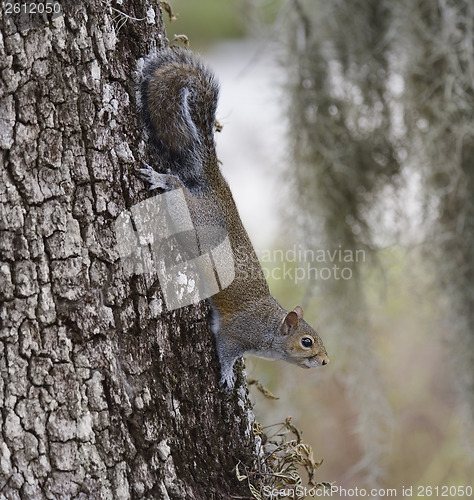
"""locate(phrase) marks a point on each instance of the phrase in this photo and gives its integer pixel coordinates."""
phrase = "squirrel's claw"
(157, 180)
(150, 176)
(227, 380)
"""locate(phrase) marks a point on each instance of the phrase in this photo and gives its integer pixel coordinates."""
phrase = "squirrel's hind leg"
(157, 180)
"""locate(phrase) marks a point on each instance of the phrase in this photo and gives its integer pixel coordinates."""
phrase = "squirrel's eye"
(306, 342)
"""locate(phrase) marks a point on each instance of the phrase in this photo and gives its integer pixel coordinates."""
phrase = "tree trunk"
(103, 393)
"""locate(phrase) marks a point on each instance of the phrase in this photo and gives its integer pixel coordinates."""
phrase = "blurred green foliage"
(382, 108)
(206, 21)
(415, 371)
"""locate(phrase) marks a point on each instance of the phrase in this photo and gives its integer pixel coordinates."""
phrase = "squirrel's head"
(302, 344)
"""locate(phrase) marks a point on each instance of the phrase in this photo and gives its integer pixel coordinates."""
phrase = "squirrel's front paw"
(227, 380)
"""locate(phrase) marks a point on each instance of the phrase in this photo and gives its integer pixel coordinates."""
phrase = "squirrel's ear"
(299, 311)
(291, 319)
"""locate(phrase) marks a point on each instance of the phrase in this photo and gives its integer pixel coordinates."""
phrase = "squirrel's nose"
(324, 360)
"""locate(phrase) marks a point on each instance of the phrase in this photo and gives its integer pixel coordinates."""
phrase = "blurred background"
(348, 142)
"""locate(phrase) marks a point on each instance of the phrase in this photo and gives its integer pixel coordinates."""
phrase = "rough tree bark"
(103, 394)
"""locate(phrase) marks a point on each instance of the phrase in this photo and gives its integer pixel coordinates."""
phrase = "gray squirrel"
(177, 97)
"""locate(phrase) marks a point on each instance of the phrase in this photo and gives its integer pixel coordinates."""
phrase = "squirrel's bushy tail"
(177, 96)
